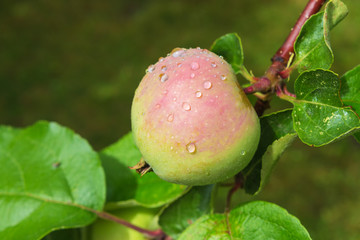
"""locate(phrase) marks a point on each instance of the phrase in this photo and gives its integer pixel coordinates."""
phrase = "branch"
(156, 234)
(273, 80)
(239, 183)
(285, 51)
(282, 56)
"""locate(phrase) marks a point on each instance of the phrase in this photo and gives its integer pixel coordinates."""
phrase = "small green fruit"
(191, 120)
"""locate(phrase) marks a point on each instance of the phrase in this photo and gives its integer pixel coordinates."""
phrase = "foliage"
(52, 178)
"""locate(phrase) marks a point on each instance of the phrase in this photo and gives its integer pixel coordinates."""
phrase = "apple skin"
(191, 121)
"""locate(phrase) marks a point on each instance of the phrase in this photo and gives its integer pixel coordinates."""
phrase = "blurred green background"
(78, 63)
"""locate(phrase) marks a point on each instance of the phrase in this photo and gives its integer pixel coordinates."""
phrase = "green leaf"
(49, 177)
(186, 210)
(252, 221)
(312, 46)
(319, 116)
(277, 134)
(350, 89)
(350, 92)
(229, 46)
(125, 187)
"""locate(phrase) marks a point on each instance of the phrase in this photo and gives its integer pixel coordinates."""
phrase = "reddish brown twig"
(238, 184)
(283, 54)
(261, 85)
(275, 73)
(273, 82)
(156, 234)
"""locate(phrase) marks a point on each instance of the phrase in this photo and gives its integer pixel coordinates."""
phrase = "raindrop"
(163, 68)
(178, 53)
(191, 148)
(242, 152)
(195, 66)
(161, 59)
(186, 106)
(163, 77)
(165, 92)
(198, 94)
(179, 64)
(213, 65)
(223, 77)
(150, 69)
(192, 75)
(321, 133)
(170, 117)
(207, 85)
(174, 99)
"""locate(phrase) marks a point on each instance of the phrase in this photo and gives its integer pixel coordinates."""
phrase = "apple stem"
(261, 85)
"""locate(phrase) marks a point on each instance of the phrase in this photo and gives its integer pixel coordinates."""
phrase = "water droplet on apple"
(186, 106)
(150, 69)
(195, 66)
(207, 84)
(163, 77)
(170, 117)
(191, 147)
(178, 53)
(198, 94)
